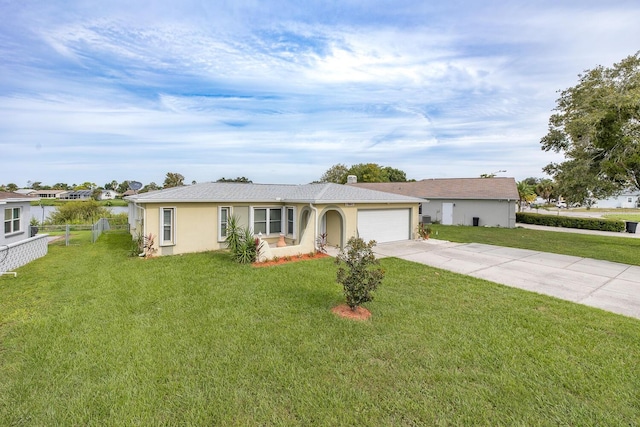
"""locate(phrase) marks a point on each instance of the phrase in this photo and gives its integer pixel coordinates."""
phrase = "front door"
(331, 224)
(447, 214)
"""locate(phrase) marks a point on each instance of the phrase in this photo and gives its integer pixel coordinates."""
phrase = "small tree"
(357, 271)
(526, 193)
(78, 212)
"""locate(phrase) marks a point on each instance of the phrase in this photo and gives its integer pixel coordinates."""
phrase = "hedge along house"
(457, 201)
(194, 218)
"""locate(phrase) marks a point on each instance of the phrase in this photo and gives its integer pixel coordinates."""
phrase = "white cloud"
(280, 92)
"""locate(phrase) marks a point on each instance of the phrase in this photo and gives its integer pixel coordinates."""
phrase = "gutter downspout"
(315, 226)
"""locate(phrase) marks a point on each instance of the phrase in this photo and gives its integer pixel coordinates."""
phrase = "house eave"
(469, 198)
(273, 201)
(18, 200)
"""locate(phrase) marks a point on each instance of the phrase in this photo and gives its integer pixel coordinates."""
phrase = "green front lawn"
(90, 336)
(624, 216)
(615, 249)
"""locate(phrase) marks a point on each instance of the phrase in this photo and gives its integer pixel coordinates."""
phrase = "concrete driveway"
(607, 285)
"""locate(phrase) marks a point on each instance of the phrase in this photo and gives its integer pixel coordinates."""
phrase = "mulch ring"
(343, 310)
(289, 259)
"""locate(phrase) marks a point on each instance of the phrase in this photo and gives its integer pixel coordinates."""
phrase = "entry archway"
(332, 223)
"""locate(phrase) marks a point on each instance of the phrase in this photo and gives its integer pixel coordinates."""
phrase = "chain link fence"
(65, 230)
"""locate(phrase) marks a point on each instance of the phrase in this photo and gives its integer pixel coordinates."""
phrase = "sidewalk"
(579, 231)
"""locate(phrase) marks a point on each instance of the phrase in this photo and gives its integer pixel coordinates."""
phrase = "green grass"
(616, 249)
(624, 216)
(90, 336)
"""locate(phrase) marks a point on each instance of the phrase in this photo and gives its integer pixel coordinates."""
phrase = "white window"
(167, 226)
(291, 221)
(12, 220)
(267, 220)
(629, 199)
(224, 213)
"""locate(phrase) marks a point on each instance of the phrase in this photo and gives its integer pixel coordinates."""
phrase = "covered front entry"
(384, 225)
(333, 226)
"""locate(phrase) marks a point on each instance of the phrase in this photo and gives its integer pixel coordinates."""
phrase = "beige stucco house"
(194, 218)
(457, 201)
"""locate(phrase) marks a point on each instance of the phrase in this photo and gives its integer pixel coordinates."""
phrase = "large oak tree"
(364, 172)
(596, 125)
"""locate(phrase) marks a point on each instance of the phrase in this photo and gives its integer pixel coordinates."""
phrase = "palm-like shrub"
(233, 233)
(240, 241)
(358, 272)
(247, 251)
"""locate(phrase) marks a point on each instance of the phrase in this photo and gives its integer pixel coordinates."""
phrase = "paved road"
(567, 212)
(607, 285)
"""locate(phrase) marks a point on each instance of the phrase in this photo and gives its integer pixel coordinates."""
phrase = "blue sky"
(279, 91)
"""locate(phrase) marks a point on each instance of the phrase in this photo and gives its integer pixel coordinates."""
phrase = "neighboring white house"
(17, 246)
(76, 195)
(627, 199)
(107, 195)
(460, 201)
(26, 192)
(50, 194)
(16, 213)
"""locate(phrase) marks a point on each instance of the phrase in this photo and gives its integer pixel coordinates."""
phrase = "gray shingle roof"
(260, 193)
(451, 188)
(15, 197)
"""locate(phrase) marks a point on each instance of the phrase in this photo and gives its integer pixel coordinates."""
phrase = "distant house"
(50, 194)
(457, 201)
(77, 195)
(194, 218)
(107, 195)
(26, 192)
(17, 245)
(627, 199)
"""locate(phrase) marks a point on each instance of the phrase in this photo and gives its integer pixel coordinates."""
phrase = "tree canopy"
(173, 179)
(337, 174)
(365, 172)
(596, 125)
(240, 179)
(526, 193)
(546, 189)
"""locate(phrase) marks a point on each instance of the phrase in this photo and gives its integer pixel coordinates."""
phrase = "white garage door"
(385, 225)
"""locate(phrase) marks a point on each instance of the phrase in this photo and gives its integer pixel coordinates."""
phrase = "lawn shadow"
(324, 295)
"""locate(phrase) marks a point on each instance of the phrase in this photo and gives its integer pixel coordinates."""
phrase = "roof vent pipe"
(352, 179)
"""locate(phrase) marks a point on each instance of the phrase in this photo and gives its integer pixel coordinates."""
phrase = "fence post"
(67, 233)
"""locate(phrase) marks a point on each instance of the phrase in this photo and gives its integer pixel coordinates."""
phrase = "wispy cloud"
(280, 91)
